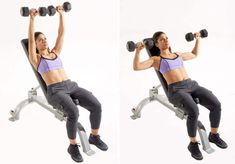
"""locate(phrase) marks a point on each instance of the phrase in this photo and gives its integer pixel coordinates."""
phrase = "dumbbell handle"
(144, 41)
(190, 36)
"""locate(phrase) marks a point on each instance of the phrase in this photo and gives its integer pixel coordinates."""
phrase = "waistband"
(180, 82)
(59, 83)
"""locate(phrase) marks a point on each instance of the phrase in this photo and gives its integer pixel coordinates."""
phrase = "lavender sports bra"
(167, 64)
(46, 64)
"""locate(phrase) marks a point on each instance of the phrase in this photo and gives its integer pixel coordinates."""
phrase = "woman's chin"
(44, 48)
(167, 47)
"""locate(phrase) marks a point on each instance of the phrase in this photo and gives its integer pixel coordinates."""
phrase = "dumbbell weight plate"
(189, 36)
(51, 10)
(42, 11)
(24, 11)
(67, 6)
(130, 46)
(203, 33)
(149, 43)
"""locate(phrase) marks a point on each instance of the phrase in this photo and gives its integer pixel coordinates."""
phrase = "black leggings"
(183, 93)
(61, 95)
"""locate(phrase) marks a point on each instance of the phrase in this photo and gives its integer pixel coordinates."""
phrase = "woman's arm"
(31, 40)
(137, 65)
(195, 51)
(60, 37)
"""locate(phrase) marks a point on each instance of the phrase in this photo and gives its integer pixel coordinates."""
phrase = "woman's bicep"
(147, 64)
(58, 45)
(144, 65)
(186, 55)
(32, 51)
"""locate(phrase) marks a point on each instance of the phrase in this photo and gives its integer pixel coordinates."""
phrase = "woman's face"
(41, 42)
(162, 42)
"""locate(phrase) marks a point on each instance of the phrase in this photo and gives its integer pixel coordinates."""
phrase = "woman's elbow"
(195, 53)
(136, 68)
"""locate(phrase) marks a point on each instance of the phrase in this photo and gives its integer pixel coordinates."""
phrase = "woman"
(61, 90)
(181, 89)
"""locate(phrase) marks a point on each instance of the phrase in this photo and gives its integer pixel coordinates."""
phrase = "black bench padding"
(43, 85)
(153, 52)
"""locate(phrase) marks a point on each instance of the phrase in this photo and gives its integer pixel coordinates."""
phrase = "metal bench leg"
(153, 95)
(137, 111)
(204, 139)
(84, 140)
(16, 113)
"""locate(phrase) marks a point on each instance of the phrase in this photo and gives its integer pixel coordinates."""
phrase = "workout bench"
(155, 96)
(33, 97)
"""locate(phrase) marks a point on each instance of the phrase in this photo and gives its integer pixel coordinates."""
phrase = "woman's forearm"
(31, 30)
(195, 50)
(31, 39)
(61, 24)
(136, 61)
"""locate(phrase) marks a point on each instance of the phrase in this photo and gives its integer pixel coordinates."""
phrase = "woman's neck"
(165, 52)
(44, 52)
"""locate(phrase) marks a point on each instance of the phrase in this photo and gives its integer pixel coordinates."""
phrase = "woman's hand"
(60, 9)
(197, 35)
(33, 13)
(139, 46)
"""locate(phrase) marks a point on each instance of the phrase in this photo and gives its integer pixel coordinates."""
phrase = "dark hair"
(155, 37)
(36, 34)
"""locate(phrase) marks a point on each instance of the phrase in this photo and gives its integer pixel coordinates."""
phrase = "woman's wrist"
(61, 13)
(32, 18)
(137, 52)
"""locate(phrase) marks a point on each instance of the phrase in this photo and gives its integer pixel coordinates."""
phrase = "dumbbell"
(24, 11)
(52, 10)
(43, 11)
(189, 36)
(131, 46)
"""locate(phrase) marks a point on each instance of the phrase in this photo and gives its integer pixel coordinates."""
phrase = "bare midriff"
(175, 75)
(54, 76)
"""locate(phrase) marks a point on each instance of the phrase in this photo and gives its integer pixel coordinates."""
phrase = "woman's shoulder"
(178, 53)
(36, 62)
(156, 58)
(55, 52)
(38, 55)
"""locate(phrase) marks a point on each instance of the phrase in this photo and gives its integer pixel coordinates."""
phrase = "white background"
(159, 136)
(90, 58)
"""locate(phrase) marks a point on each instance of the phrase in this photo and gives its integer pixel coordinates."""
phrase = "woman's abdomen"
(54, 76)
(175, 75)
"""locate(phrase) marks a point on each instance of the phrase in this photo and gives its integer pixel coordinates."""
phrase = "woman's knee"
(193, 112)
(72, 114)
(97, 107)
(217, 105)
